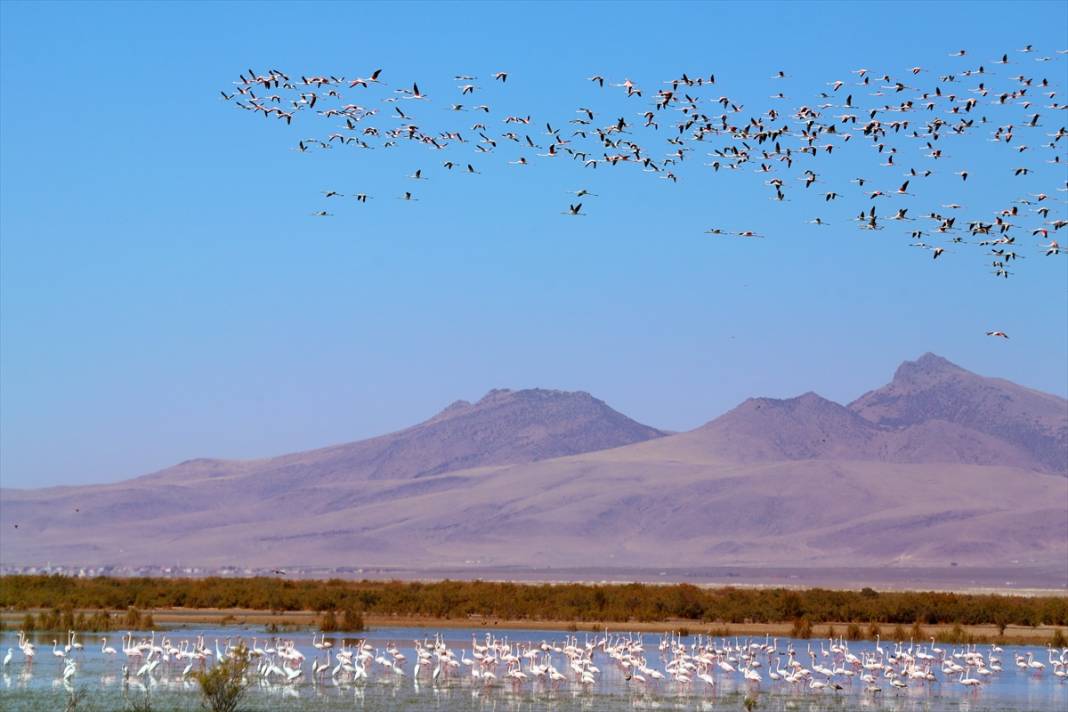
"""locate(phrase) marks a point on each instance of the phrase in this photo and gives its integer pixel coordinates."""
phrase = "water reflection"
(535, 670)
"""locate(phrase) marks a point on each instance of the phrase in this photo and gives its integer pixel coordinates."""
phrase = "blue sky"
(165, 294)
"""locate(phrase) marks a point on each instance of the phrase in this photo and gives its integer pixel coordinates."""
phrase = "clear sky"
(166, 294)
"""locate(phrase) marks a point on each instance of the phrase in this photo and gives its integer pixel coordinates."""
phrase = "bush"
(1058, 640)
(899, 634)
(874, 629)
(581, 603)
(958, 631)
(917, 632)
(50, 621)
(328, 623)
(139, 704)
(99, 622)
(802, 629)
(853, 632)
(352, 620)
(132, 619)
(224, 685)
(74, 700)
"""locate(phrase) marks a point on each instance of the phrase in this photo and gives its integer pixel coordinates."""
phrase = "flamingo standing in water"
(128, 648)
(26, 647)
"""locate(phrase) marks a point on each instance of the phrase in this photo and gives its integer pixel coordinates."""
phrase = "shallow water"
(99, 679)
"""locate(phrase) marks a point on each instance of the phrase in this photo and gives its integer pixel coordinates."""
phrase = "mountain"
(504, 427)
(933, 389)
(919, 473)
(803, 428)
(931, 412)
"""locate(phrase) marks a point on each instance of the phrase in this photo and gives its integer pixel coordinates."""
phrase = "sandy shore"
(189, 618)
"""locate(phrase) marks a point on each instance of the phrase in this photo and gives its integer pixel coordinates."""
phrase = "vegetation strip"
(527, 602)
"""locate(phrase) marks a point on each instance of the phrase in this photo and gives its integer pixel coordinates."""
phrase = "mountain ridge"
(505, 426)
(897, 477)
(932, 388)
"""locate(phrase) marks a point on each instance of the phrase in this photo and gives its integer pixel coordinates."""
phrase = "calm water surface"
(100, 680)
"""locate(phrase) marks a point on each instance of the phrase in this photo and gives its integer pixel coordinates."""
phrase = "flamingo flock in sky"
(906, 125)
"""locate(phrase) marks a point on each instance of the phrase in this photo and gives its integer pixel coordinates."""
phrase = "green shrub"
(75, 699)
(223, 686)
(138, 704)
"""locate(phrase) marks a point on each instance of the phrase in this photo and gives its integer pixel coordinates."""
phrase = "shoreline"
(1034, 582)
(179, 618)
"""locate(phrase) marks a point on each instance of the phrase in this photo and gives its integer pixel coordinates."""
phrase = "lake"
(613, 668)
